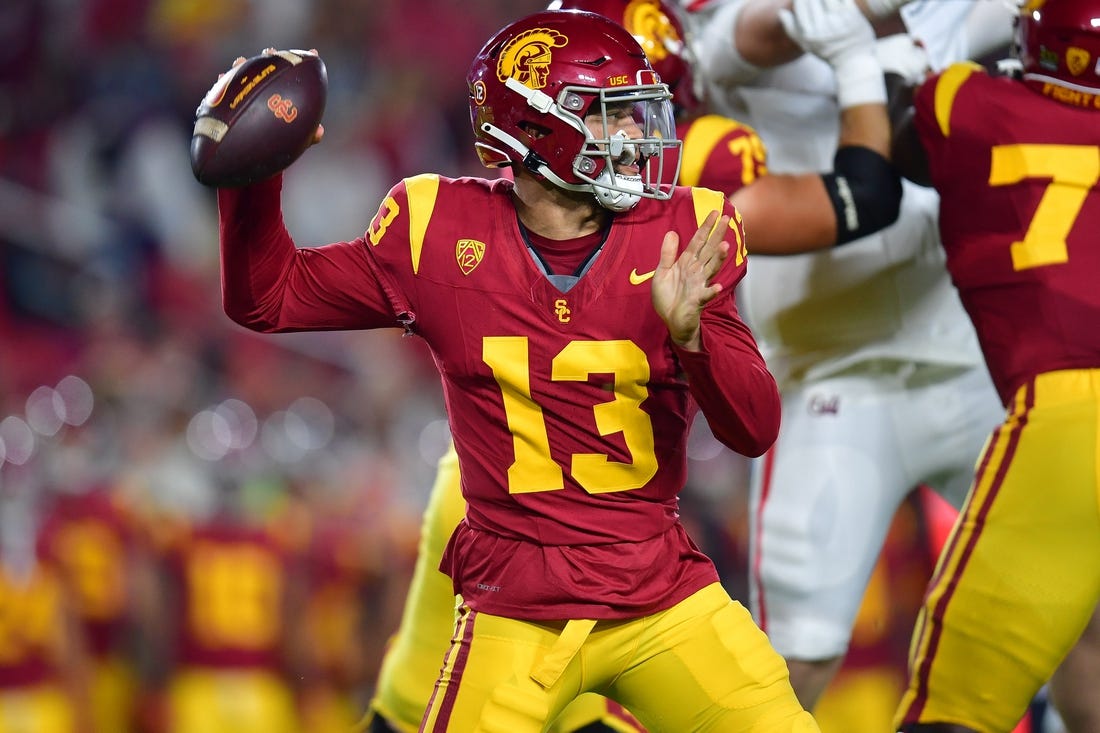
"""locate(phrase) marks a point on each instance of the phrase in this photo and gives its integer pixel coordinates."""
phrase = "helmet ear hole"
(534, 130)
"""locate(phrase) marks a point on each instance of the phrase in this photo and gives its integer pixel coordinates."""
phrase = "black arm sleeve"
(865, 190)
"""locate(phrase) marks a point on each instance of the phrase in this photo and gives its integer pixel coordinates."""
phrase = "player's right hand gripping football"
(682, 285)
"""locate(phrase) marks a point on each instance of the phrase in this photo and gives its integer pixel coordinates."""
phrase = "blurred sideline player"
(94, 542)
(784, 213)
(43, 663)
(344, 580)
(1016, 159)
(232, 602)
(879, 369)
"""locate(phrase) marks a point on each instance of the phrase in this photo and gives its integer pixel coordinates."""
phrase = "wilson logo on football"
(283, 108)
(469, 253)
(526, 58)
(250, 85)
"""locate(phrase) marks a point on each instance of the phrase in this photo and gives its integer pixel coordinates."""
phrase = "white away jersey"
(886, 296)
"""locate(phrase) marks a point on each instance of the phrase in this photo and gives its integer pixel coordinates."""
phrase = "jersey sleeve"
(271, 285)
(933, 104)
(722, 154)
(729, 378)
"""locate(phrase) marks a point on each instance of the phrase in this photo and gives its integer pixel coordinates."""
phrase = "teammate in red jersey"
(91, 537)
(579, 317)
(43, 665)
(232, 599)
(1016, 160)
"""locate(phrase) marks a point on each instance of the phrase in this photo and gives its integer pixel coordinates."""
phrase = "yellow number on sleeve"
(382, 220)
(751, 150)
(1073, 170)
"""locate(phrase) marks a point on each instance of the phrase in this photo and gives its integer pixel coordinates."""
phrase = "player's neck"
(555, 213)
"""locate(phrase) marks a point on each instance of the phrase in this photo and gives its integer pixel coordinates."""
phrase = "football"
(258, 118)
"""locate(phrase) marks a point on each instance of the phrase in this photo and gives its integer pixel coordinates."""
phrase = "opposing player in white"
(883, 384)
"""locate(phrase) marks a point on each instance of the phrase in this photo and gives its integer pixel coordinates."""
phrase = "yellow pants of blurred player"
(1019, 577)
(700, 666)
(113, 691)
(228, 701)
(37, 709)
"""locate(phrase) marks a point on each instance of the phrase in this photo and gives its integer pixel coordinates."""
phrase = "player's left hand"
(682, 284)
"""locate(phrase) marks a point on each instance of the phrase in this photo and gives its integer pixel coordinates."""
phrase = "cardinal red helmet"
(658, 28)
(1058, 45)
(532, 85)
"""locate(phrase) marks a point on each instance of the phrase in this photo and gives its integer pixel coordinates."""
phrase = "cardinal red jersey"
(340, 571)
(30, 613)
(1019, 212)
(231, 581)
(90, 538)
(720, 153)
(569, 409)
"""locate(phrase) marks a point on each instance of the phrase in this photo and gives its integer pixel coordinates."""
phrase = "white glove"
(837, 32)
(884, 8)
(902, 55)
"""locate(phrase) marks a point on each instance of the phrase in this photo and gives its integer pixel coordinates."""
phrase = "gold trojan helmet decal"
(527, 57)
(652, 28)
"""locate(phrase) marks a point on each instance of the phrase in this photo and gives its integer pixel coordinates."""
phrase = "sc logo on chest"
(561, 310)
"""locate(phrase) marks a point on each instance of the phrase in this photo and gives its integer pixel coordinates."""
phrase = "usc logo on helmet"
(526, 58)
(653, 30)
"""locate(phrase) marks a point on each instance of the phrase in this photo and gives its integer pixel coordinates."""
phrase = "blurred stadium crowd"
(176, 493)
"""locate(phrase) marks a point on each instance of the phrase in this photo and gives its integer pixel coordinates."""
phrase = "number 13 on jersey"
(534, 469)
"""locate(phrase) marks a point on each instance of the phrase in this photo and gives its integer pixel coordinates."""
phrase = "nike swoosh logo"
(636, 279)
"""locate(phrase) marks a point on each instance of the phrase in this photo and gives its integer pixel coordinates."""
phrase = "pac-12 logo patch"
(469, 253)
(1077, 60)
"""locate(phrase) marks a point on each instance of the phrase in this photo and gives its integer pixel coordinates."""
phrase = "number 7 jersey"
(1019, 215)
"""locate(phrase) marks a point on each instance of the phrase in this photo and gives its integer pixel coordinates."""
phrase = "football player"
(94, 541)
(231, 598)
(1016, 159)
(579, 316)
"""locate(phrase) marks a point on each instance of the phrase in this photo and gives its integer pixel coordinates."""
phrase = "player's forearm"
(867, 126)
(256, 250)
(733, 387)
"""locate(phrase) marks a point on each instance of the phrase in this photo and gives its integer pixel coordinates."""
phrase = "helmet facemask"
(650, 107)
